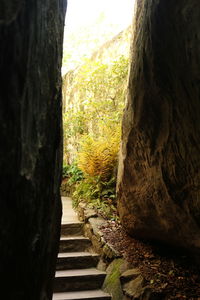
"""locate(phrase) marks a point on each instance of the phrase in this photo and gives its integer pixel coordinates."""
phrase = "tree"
(159, 178)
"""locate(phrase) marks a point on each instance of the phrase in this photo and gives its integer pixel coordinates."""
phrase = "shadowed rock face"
(31, 35)
(159, 178)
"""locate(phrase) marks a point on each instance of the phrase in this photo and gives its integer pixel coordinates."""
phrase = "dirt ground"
(173, 273)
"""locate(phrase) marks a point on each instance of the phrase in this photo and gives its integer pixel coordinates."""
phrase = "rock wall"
(31, 34)
(114, 48)
(159, 179)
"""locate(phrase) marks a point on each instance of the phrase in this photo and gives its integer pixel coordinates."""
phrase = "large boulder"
(31, 34)
(159, 178)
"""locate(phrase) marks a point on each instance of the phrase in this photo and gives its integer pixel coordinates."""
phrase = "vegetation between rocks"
(92, 129)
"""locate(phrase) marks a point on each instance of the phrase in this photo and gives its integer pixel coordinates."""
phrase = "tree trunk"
(31, 35)
(159, 178)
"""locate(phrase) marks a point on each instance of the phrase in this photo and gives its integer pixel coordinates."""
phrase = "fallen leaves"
(172, 274)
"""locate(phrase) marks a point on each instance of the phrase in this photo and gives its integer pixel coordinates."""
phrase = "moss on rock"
(112, 283)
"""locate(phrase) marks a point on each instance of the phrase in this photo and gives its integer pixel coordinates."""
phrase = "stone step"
(76, 260)
(78, 280)
(75, 229)
(74, 244)
(82, 295)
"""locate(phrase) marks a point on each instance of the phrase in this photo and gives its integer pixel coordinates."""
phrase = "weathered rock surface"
(159, 178)
(30, 162)
(130, 275)
(92, 229)
(134, 288)
(112, 283)
(109, 252)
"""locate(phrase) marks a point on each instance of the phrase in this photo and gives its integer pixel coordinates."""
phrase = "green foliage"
(98, 195)
(112, 282)
(99, 90)
(74, 123)
(93, 125)
(102, 91)
(73, 173)
(65, 171)
(74, 126)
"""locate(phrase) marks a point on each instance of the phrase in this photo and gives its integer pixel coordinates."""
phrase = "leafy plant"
(73, 173)
(65, 171)
(97, 93)
(98, 195)
(98, 157)
(102, 90)
(92, 127)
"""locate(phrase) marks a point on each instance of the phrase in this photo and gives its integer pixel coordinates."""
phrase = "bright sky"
(84, 12)
(90, 23)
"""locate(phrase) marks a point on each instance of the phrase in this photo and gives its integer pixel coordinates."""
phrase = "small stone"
(80, 211)
(89, 213)
(110, 252)
(134, 288)
(97, 245)
(102, 265)
(112, 283)
(96, 224)
(130, 275)
(82, 205)
(88, 232)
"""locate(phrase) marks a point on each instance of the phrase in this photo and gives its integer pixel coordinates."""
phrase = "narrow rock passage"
(76, 275)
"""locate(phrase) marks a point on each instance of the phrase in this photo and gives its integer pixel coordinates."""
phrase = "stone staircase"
(76, 274)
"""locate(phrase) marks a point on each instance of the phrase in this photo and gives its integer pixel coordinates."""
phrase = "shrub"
(73, 173)
(65, 171)
(98, 157)
(98, 195)
(98, 95)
